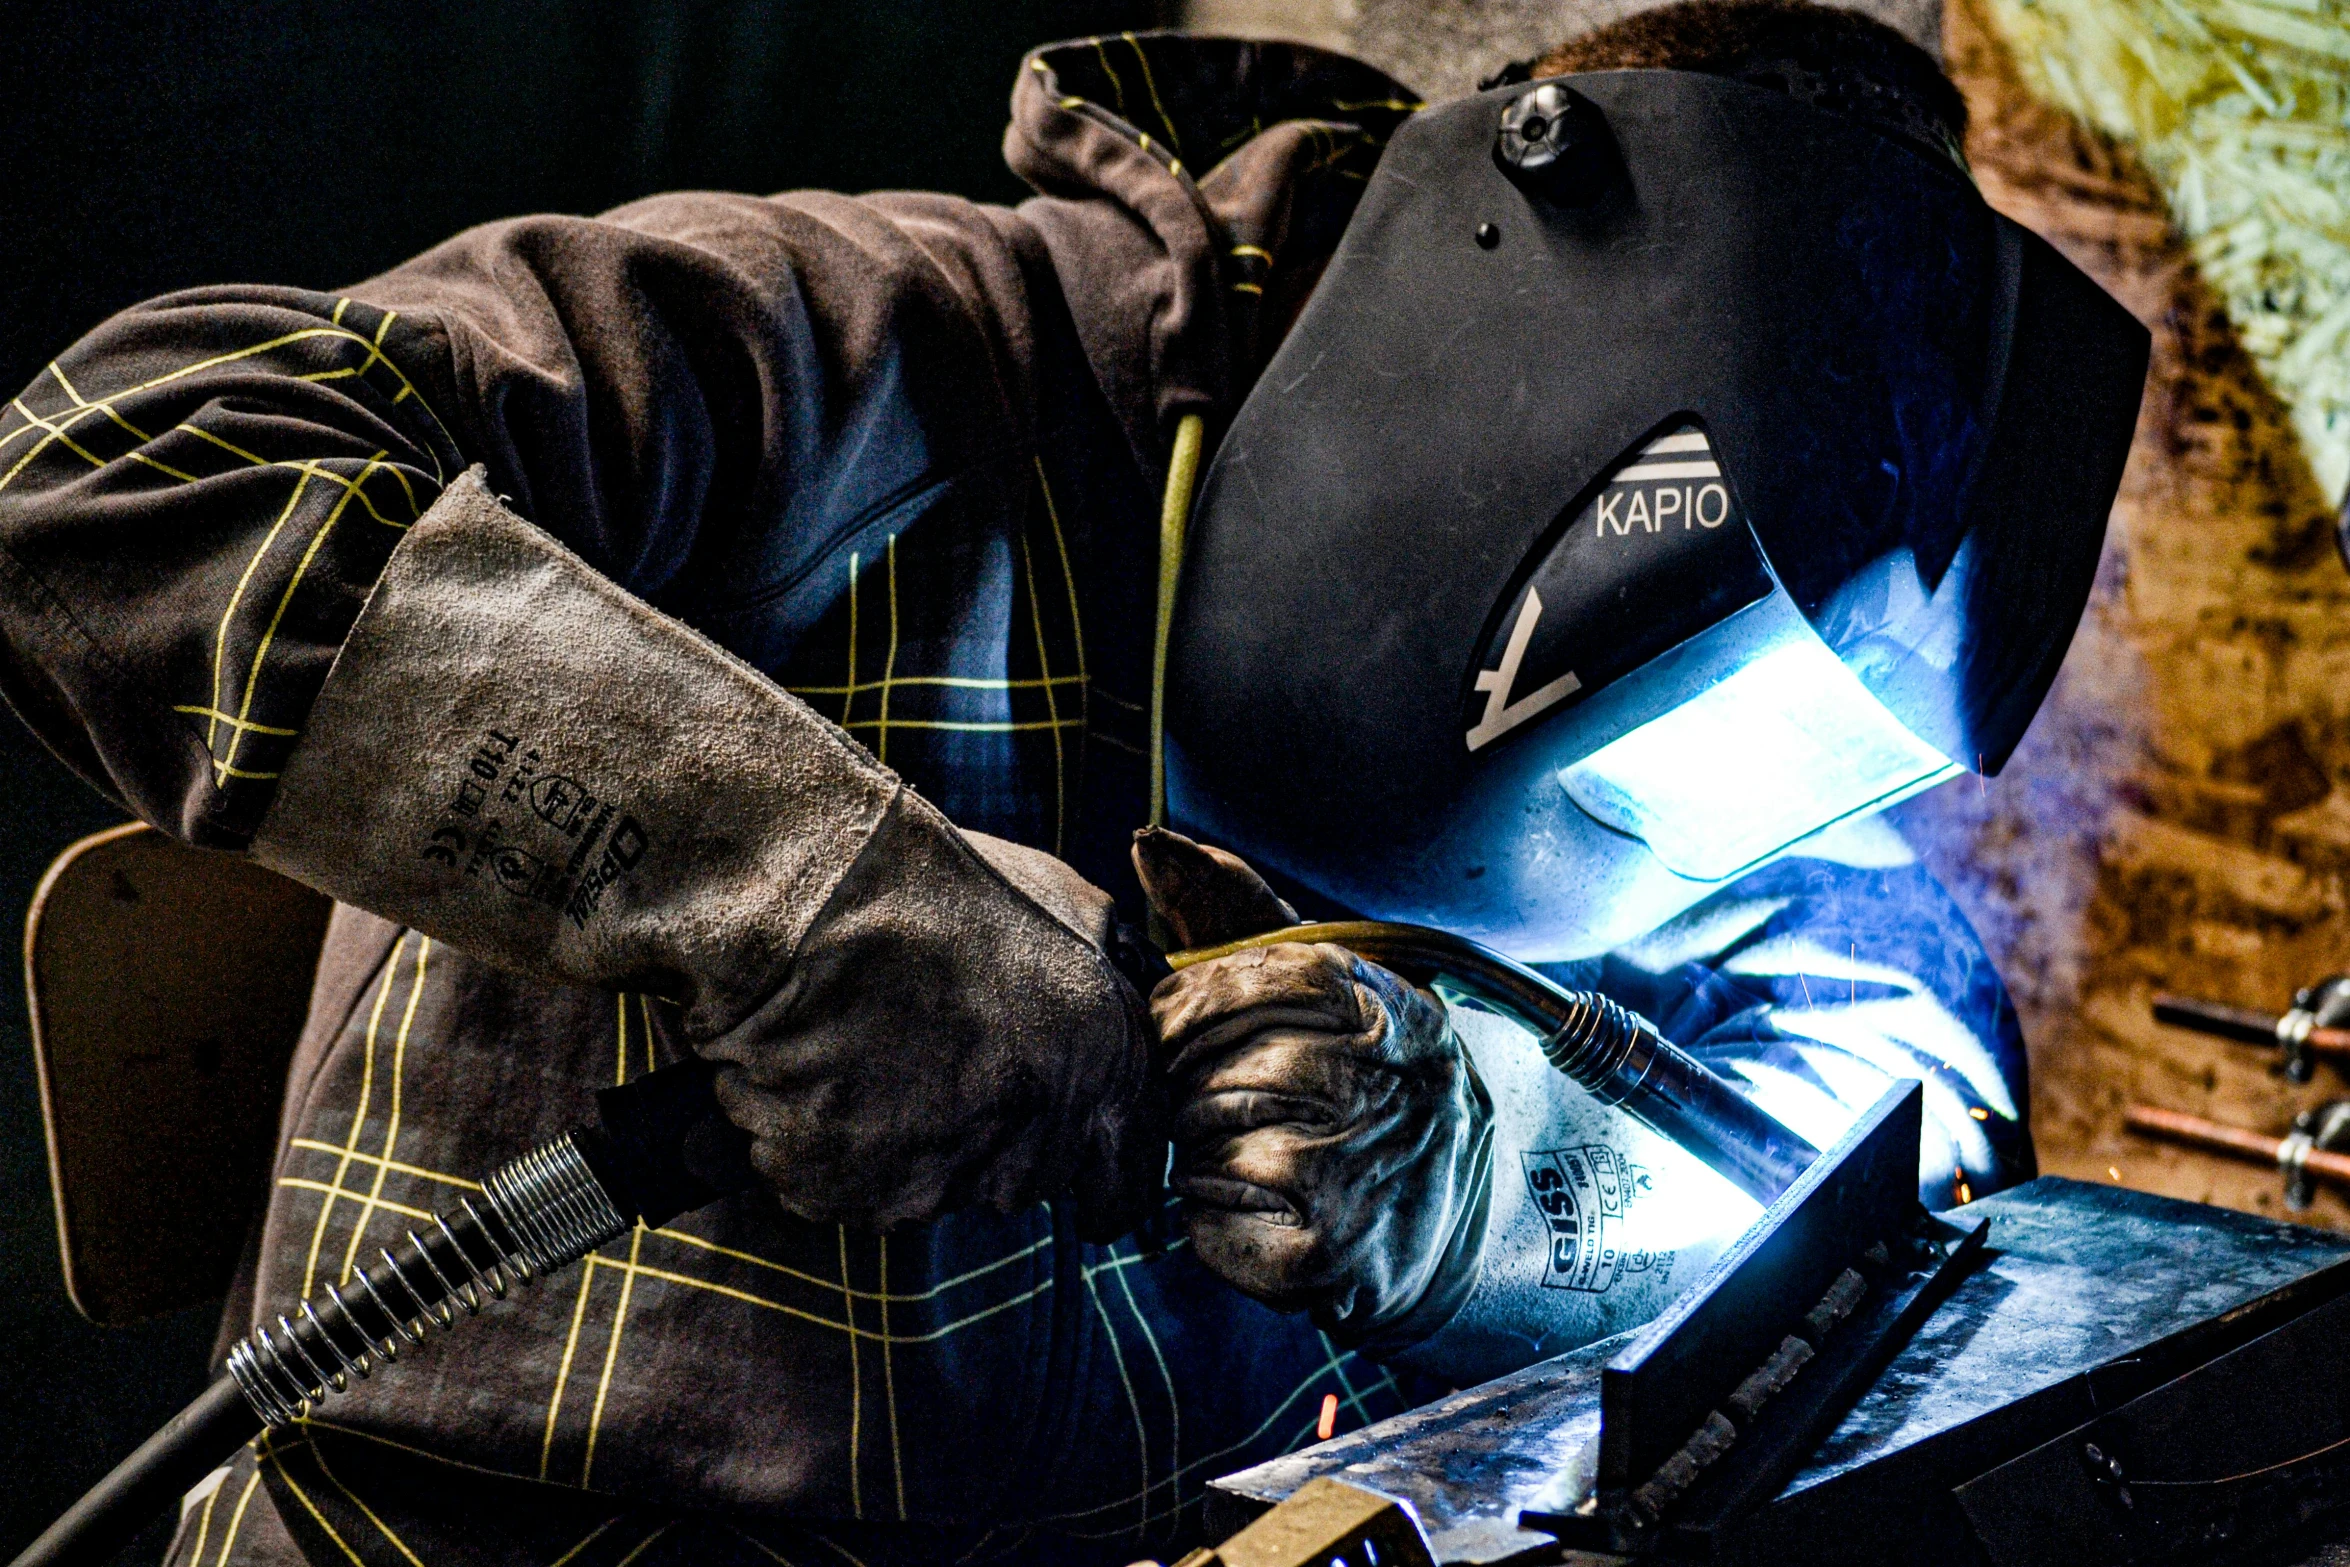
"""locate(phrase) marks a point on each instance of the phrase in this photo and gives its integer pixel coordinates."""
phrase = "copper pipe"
(2257, 1147)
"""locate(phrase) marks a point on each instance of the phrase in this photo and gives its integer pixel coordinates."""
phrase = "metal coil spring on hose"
(538, 1213)
(1595, 1044)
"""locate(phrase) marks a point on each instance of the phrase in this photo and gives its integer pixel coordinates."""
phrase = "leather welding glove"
(1332, 1142)
(514, 755)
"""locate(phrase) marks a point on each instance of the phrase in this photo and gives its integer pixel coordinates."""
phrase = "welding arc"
(2193, 1131)
(1610, 1052)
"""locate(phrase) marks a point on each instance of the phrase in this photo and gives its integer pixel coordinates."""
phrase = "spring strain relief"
(1593, 1044)
(538, 1213)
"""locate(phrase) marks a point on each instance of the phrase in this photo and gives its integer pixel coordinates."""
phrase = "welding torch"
(660, 1147)
(1610, 1052)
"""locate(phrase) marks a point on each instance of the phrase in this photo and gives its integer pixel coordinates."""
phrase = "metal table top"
(2089, 1296)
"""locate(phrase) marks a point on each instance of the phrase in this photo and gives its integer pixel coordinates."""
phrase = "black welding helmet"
(1663, 470)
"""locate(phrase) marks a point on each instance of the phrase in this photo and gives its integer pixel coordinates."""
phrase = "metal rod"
(2245, 1025)
(2288, 1153)
(1610, 1052)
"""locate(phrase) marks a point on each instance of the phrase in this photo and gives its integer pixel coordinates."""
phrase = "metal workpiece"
(1328, 1523)
(1610, 1052)
(538, 1213)
(1659, 1389)
(2220, 1460)
(2087, 1298)
(1706, 1411)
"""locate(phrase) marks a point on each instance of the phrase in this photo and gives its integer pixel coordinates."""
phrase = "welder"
(740, 627)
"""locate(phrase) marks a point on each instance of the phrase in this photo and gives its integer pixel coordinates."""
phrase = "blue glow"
(1780, 748)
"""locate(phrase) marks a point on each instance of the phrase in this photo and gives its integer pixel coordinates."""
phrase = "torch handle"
(1611, 1053)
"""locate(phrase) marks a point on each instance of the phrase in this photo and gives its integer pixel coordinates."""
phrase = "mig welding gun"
(660, 1147)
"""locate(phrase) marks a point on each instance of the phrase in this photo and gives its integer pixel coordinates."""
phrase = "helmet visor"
(1785, 745)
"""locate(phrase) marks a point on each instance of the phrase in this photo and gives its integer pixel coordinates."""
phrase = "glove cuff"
(514, 755)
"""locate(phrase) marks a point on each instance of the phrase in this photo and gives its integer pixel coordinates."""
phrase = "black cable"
(660, 1148)
(166, 1466)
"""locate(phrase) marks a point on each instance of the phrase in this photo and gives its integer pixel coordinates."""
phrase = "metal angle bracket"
(1712, 1406)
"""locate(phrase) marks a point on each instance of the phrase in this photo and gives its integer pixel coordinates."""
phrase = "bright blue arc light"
(1786, 744)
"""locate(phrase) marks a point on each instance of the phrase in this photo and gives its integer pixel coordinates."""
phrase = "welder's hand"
(1332, 1141)
(952, 1033)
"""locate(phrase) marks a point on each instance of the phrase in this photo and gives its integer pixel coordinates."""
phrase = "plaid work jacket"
(903, 453)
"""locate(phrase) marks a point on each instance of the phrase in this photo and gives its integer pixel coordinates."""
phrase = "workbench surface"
(2088, 1297)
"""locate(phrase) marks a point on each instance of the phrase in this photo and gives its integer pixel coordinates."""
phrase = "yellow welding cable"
(1174, 511)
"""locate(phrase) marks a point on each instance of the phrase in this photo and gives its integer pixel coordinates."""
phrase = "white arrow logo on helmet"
(1501, 714)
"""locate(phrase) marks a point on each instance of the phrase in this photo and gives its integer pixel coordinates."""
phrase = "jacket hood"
(1190, 192)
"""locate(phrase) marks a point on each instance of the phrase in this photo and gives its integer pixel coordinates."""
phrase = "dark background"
(153, 146)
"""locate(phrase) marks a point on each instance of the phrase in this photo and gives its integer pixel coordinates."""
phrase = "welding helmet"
(1663, 470)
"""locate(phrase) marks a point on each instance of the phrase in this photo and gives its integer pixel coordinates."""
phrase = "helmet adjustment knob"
(1554, 143)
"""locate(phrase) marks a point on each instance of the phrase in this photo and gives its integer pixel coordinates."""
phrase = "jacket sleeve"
(197, 499)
